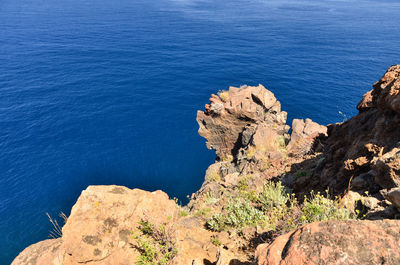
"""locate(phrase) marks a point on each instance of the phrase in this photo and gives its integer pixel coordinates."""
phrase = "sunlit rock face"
(335, 242)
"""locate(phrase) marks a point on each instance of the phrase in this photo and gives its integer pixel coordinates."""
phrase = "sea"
(98, 92)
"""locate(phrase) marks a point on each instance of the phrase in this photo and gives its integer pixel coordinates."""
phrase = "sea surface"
(106, 92)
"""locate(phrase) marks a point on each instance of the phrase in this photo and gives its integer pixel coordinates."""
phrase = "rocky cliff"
(259, 203)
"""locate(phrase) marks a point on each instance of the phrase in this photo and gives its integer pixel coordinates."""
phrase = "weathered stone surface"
(303, 136)
(229, 114)
(44, 252)
(387, 168)
(335, 242)
(393, 195)
(101, 226)
(364, 146)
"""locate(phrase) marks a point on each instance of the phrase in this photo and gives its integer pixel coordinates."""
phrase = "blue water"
(106, 92)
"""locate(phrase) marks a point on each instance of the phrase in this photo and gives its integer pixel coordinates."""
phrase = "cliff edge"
(319, 195)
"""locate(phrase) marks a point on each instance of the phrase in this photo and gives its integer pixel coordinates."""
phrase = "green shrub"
(156, 244)
(243, 183)
(217, 222)
(215, 241)
(280, 210)
(273, 195)
(210, 199)
(183, 213)
(239, 213)
(320, 208)
(214, 176)
(301, 174)
(203, 212)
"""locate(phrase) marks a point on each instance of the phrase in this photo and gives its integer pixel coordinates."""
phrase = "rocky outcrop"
(363, 153)
(335, 242)
(247, 129)
(243, 118)
(303, 137)
(44, 252)
(102, 227)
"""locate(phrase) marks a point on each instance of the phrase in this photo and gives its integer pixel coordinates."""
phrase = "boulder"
(393, 195)
(303, 136)
(45, 252)
(335, 242)
(102, 225)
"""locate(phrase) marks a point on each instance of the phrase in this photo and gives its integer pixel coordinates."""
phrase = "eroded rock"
(303, 136)
(102, 225)
(335, 242)
(241, 112)
(362, 153)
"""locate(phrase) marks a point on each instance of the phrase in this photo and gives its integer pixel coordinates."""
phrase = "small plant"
(239, 213)
(284, 217)
(243, 184)
(203, 212)
(56, 232)
(155, 243)
(273, 195)
(301, 174)
(227, 158)
(213, 176)
(210, 199)
(280, 140)
(215, 241)
(320, 208)
(183, 213)
(251, 195)
(224, 95)
(250, 152)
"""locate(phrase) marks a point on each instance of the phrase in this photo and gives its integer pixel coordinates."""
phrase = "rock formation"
(363, 153)
(248, 131)
(358, 160)
(335, 242)
(243, 118)
(304, 137)
(102, 225)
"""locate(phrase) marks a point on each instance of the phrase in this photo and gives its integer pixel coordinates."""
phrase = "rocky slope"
(363, 153)
(242, 206)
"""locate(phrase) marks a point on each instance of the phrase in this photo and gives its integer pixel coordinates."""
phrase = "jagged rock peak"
(232, 117)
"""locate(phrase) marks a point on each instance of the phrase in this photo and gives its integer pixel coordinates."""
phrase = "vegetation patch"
(155, 243)
(238, 214)
(320, 208)
(215, 241)
(276, 208)
(223, 95)
(214, 176)
(203, 212)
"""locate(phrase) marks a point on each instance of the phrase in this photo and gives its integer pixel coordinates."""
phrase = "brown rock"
(368, 142)
(387, 169)
(101, 226)
(226, 117)
(45, 252)
(335, 242)
(303, 136)
(393, 195)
